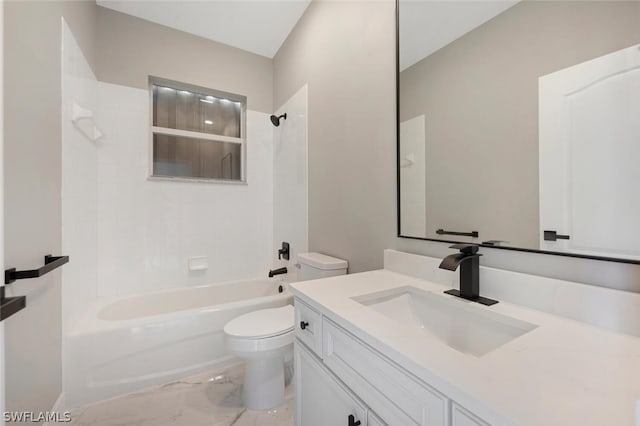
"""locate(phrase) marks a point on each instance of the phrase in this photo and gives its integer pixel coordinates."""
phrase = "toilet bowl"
(262, 339)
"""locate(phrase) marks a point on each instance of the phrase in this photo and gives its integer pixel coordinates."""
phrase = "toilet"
(264, 338)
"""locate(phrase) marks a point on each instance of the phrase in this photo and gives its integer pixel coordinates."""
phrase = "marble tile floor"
(211, 399)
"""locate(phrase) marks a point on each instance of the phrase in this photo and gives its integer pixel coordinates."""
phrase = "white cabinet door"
(462, 417)
(320, 399)
(373, 420)
(589, 150)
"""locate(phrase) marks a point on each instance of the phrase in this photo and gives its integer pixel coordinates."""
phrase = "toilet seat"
(262, 324)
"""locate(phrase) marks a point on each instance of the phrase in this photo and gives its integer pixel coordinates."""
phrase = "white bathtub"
(131, 343)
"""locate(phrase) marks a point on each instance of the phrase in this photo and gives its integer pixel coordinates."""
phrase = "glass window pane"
(196, 158)
(196, 112)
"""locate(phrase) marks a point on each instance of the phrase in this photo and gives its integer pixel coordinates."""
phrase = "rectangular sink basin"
(457, 323)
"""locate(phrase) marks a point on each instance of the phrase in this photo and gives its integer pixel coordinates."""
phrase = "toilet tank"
(317, 265)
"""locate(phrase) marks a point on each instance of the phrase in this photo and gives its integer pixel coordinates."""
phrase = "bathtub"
(127, 344)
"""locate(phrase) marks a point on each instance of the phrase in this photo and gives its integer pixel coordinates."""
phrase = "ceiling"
(258, 26)
(261, 26)
(426, 26)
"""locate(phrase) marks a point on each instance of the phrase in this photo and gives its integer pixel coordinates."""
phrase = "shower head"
(276, 120)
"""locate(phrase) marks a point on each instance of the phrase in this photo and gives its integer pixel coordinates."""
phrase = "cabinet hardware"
(352, 421)
(304, 324)
(554, 236)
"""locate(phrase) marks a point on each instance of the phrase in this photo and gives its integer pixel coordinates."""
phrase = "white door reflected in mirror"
(589, 151)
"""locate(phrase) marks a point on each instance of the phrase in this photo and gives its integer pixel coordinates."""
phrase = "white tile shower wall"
(290, 190)
(148, 229)
(79, 183)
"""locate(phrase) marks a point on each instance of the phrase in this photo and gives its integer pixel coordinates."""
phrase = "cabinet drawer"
(405, 400)
(462, 417)
(308, 326)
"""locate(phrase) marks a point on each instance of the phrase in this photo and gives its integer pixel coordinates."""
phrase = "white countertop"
(563, 372)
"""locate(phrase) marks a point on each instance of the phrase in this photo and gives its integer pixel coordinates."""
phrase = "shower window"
(197, 133)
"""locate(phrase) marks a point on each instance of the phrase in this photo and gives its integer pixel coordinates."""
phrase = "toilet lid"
(262, 323)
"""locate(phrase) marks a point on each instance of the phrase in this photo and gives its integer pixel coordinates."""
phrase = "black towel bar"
(10, 305)
(473, 234)
(50, 263)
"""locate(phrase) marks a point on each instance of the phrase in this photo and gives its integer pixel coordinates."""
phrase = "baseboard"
(58, 407)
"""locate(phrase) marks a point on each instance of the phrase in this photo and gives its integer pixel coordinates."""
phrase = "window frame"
(242, 140)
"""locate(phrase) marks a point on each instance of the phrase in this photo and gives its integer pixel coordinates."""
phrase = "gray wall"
(344, 50)
(480, 98)
(32, 184)
(130, 49)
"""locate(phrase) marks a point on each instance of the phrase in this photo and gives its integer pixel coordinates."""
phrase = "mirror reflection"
(520, 124)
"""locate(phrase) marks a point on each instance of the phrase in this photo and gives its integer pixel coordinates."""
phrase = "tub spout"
(279, 271)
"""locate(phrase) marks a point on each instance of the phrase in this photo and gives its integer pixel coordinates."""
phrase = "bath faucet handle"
(468, 249)
(284, 251)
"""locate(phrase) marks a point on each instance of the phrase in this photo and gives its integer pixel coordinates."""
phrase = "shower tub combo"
(139, 341)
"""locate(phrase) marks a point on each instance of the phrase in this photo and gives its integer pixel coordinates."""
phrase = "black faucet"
(469, 261)
(279, 271)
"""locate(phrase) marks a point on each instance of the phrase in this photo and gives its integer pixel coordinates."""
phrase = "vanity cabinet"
(462, 417)
(373, 420)
(398, 398)
(320, 399)
(338, 376)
